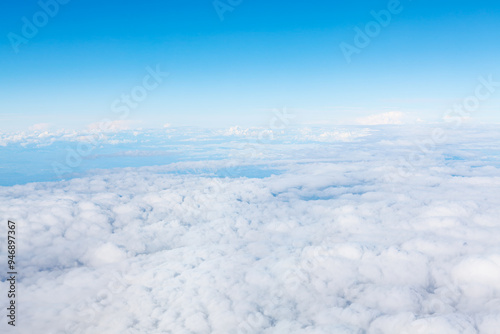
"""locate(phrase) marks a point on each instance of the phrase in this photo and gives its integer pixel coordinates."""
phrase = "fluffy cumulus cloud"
(338, 240)
(40, 127)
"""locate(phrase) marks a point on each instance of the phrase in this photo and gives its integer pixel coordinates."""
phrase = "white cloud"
(40, 127)
(329, 135)
(338, 242)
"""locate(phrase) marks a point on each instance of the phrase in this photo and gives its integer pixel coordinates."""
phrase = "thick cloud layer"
(340, 240)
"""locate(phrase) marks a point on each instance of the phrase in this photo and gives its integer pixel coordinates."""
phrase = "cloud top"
(337, 241)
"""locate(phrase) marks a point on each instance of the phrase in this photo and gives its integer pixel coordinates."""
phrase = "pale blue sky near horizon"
(263, 55)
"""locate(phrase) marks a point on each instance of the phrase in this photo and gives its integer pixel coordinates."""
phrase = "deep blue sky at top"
(263, 55)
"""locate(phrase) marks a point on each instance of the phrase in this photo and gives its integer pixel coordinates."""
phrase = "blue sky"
(263, 55)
